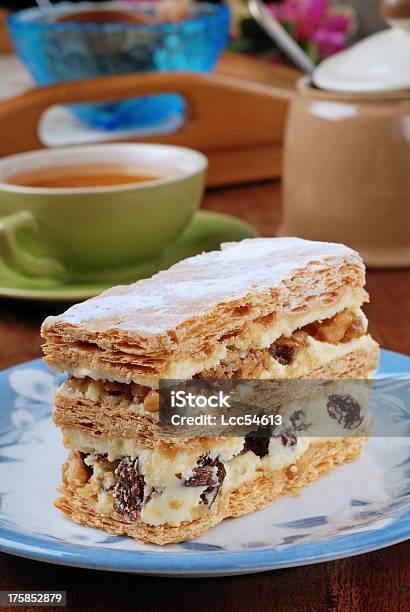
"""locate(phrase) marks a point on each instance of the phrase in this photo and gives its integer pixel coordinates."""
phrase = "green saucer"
(205, 233)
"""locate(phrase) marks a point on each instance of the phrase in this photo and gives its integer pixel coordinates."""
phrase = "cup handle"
(14, 254)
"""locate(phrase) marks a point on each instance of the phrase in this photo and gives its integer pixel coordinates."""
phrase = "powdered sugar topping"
(195, 285)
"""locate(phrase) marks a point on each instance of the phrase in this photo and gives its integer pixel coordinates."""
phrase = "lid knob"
(395, 9)
(378, 63)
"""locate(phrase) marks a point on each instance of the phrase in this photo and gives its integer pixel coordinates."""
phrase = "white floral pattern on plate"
(360, 506)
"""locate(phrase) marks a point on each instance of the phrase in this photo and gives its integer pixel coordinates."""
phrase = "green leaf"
(268, 55)
(312, 50)
(242, 45)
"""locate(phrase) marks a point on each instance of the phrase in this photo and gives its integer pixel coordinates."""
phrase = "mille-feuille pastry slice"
(262, 308)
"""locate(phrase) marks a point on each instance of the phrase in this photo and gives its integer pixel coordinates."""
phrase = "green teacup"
(90, 233)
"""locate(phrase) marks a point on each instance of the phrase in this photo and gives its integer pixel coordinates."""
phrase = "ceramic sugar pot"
(346, 168)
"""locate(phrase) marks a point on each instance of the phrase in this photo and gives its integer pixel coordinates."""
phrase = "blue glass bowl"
(55, 52)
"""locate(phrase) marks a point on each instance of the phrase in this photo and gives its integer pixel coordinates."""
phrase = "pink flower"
(316, 21)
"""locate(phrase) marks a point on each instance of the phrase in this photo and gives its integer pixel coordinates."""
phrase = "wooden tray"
(235, 116)
(5, 42)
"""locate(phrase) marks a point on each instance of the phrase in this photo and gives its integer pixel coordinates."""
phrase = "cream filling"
(257, 336)
(314, 355)
(159, 458)
(176, 503)
(261, 337)
(174, 506)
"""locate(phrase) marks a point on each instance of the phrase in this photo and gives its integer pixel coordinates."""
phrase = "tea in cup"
(87, 212)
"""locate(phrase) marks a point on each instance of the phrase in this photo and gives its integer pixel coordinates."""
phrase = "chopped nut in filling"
(341, 328)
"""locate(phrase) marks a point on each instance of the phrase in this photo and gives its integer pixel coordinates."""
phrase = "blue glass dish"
(64, 51)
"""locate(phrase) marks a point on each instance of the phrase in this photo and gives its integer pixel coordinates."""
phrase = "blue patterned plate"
(357, 508)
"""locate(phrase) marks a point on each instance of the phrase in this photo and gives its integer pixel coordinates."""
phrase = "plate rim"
(208, 562)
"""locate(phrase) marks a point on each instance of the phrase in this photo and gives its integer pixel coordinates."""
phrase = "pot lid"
(379, 63)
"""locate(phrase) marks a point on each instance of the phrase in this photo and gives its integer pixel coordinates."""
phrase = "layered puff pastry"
(265, 308)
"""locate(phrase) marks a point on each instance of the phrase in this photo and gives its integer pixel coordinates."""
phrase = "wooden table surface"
(374, 582)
